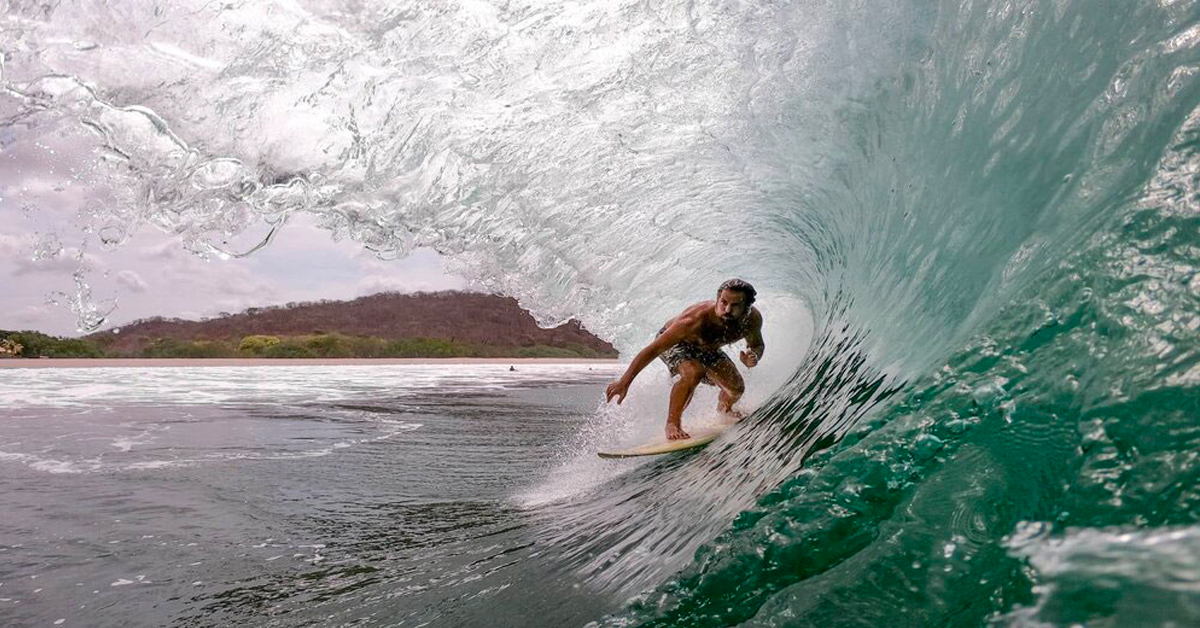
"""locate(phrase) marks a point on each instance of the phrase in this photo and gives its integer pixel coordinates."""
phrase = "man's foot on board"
(731, 415)
(675, 432)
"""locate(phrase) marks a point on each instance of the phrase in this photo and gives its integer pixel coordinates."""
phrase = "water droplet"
(987, 394)
(47, 247)
(927, 445)
(111, 236)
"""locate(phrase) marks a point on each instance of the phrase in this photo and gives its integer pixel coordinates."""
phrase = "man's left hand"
(616, 389)
(749, 358)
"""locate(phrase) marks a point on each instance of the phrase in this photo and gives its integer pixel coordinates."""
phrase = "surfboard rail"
(699, 438)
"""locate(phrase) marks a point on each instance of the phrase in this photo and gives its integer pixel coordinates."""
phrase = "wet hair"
(737, 285)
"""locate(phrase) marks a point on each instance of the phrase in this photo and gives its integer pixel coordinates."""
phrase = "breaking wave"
(988, 210)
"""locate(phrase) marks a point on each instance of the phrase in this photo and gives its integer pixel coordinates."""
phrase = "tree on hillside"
(10, 348)
(257, 344)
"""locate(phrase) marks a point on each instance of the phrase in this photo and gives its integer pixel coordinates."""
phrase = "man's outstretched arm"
(669, 338)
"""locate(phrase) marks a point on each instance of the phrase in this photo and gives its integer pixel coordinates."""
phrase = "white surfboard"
(700, 437)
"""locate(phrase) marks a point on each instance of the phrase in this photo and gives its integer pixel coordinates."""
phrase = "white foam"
(57, 466)
(78, 434)
(90, 388)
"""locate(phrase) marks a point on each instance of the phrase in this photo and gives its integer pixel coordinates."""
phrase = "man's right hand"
(617, 389)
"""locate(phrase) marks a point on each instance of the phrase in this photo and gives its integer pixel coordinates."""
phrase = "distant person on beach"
(690, 345)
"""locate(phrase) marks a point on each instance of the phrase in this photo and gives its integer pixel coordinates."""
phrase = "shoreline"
(9, 363)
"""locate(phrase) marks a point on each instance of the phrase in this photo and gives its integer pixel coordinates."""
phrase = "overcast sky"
(46, 197)
(151, 274)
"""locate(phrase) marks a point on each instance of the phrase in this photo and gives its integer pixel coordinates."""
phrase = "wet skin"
(708, 325)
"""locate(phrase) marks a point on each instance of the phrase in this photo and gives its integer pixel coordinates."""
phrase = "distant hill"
(386, 324)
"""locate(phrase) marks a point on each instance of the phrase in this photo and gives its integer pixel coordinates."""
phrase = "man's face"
(731, 305)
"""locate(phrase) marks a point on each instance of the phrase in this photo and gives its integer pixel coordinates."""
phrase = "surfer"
(690, 345)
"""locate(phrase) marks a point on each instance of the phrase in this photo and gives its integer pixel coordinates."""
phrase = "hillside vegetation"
(438, 324)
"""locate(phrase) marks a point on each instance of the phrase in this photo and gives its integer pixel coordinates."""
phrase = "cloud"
(420, 272)
(154, 275)
(12, 246)
(238, 304)
(66, 262)
(29, 314)
(241, 284)
(34, 185)
(168, 249)
(132, 280)
(176, 265)
(373, 284)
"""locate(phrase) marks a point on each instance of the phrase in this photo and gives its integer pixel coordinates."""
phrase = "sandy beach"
(176, 362)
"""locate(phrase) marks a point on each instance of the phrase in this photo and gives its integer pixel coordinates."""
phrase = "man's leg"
(726, 376)
(690, 374)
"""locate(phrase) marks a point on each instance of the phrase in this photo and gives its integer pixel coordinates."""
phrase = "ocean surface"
(348, 495)
(974, 227)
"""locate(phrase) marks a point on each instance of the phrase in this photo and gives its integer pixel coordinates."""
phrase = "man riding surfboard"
(690, 345)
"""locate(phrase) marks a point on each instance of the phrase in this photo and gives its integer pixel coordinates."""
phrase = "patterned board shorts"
(710, 358)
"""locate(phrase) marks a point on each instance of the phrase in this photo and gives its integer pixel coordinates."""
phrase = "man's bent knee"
(691, 372)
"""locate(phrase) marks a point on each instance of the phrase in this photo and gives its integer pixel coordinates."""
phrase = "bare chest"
(720, 335)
